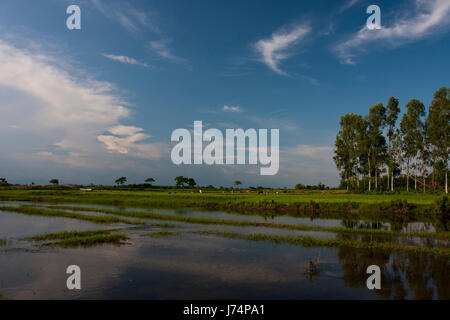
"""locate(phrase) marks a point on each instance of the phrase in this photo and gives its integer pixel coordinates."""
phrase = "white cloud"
(275, 49)
(305, 150)
(428, 16)
(129, 17)
(161, 49)
(232, 108)
(56, 116)
(125, 59)
(125, 140)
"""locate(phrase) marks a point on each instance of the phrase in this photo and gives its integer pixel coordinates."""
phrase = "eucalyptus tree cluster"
(376, 146)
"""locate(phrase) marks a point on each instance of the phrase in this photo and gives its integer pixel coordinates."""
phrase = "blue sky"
(89, 105)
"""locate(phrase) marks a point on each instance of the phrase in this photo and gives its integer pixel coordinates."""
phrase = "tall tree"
(411, 128)
(392, 111)
(396, 154)
(376, 143)
(347, 151)
(439, 128)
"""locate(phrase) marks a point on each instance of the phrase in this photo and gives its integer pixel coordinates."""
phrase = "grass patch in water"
(306, 241)
(4, 242)
(67, 235)
(80, 238)
(242, 223)
(163, 234)
(34, 211)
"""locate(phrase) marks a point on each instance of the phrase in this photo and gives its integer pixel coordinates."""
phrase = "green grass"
(34, 211)
(80, 238)
(242, 223)
(316, 202)
(306, 241)
(68, 234)
(162, 234)
(3, 242)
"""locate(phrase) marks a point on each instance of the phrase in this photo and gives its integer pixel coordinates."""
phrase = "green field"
(267, 202)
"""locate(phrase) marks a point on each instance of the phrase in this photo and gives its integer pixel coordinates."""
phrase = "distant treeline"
(374, 152)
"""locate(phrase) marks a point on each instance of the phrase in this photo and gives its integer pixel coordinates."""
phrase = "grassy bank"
(308, 202)
(306, 241)
(80, 238)
(243, 223)
(34, 211)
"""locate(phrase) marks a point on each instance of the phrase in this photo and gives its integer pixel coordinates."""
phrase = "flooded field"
(191, 254)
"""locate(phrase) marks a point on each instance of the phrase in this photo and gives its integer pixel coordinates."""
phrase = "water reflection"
(211, 267)
(405, 275)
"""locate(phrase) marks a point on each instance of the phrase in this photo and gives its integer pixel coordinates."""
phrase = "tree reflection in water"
(403, 274)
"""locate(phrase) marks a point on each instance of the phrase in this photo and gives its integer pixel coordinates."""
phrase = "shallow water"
(191, 266)
(401, 226)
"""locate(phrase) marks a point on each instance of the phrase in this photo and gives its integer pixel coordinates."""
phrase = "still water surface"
(191, 266)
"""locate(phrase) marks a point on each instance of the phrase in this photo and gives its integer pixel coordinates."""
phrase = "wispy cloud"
(428, 16)
(125, 59)
(306, 150)
(275, 49)
(349, 4)
(129, 17)
(232, 108)
(161, 49)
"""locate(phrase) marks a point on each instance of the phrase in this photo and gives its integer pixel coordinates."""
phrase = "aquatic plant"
(30, 210)
(245, 223)
(80, 238)
(163, 234)
(307, 241)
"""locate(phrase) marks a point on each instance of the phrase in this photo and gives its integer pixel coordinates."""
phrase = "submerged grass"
(34, 211)
(163, 234)
(242, 223)
(306, 241)
(80, 238)
(68, 234)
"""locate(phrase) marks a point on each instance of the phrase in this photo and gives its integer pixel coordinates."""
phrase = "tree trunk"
(446, 187)
(392, 182)
(370, 177)
(376, 180)
(407, 176)
(415, 179)
(388, 178)
(423, 173)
